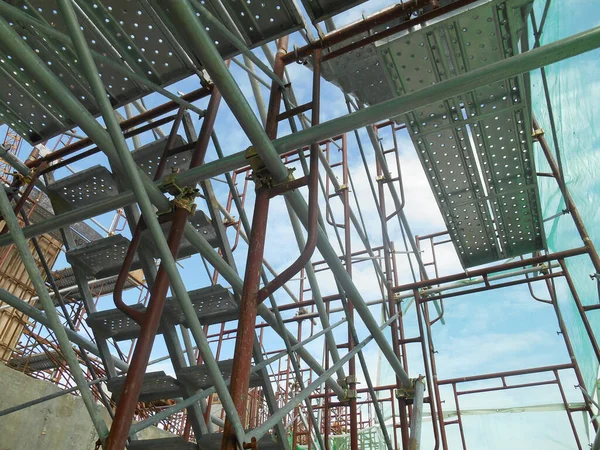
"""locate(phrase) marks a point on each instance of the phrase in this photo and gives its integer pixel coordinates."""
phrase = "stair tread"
(148, 157)
(212, 441)
(102, 258)
(213, 304)
(200, 222)
(198, 377)
(86, 187)
(156, 386)
(175, 443)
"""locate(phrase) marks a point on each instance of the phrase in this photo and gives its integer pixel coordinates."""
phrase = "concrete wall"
(59, 424)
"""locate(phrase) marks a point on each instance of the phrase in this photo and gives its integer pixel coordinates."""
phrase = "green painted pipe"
(52, 315)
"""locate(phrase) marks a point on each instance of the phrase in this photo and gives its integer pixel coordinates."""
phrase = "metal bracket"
(24, 179)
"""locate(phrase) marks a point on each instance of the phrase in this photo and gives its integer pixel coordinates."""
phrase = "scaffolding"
(165, 309)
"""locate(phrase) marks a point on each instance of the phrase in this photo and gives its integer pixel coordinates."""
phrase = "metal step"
(198, 377)
(213, 304)
(65, 279)
(148, 157)
(156, 386)
(103, 258)
(36, 363)
(175, 443)
(200, 223)
(86, 187)
(114, 323)
(212, 441)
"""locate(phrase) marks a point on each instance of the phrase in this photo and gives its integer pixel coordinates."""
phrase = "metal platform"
(213, 304)
(103, 258)
(156, 386)
(114, 323)
(176, 443)
(475, 148)
(213, 442)
(148, 157)
(200, 223)
(136, 34)
(36, 363)
(86, 187)
(319, 10)
(197, 377)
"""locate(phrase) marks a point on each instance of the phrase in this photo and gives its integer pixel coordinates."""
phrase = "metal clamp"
(187, 199)
(260, 173)
(25, 179)
(407, 393)
(537, 134)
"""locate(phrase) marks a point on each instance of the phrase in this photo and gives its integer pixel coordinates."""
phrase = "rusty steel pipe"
(136, 238)
(94, 150)
(119, 431)
(242, 358)
(313, 197)
(126, 124)
(366, 25)
(581, 229)
(487, 270)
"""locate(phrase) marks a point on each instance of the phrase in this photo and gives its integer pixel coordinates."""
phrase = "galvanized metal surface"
(148, 157)
(102, 258)
(156, 386)
(476, 148)
(134, 35)
(198, 377)
(86, 187)
(319, 10)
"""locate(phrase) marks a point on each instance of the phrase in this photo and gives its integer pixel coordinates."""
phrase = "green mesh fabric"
(574, 91)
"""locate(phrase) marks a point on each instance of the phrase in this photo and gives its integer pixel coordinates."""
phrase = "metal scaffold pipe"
(524, 62)
(53, 318)
(191, 27)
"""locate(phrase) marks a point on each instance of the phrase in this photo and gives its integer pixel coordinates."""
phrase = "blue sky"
(495, 331)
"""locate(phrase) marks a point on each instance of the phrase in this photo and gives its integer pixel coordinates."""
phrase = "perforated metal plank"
(200, 223)
(198, 377)
(212, 441)
(319, 10)
(475, 147)
(86, 187)
(176, 443)
(36, 363)
(213, 304)
(156, 386)
(103, 258)
(148, 157)
(114, 323)
(263, 21)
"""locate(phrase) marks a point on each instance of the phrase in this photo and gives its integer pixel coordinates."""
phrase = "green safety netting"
(368, 439)
(574, 92)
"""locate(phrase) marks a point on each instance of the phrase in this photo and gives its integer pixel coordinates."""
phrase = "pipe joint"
(408, 393)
